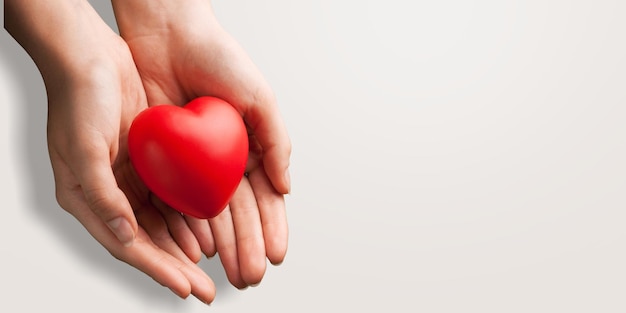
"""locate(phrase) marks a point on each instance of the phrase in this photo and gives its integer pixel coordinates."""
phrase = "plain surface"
(449, 156)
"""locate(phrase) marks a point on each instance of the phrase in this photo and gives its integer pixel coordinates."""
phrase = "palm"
(88, 125)
(253, 226)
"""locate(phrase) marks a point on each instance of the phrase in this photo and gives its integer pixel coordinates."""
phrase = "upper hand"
(190, 55)
(94, 93)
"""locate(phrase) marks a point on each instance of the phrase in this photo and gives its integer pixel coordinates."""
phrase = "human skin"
(182, 52)
(94, 92)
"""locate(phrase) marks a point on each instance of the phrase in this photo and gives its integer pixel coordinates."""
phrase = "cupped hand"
(181, 53)
(91, 107)
(94, 93)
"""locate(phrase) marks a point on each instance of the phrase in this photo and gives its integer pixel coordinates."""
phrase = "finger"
(183, 278)
(202, 231)
(202, 287)
(249, 234)
(266, 123)
(273, 216)
(238, 81)
(226, 244)
(143, 255)
(156, 263)
(178, 228)
(104, 198)
(157, 229)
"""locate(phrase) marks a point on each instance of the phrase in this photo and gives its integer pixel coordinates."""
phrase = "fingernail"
(288, 180)
(122, 230)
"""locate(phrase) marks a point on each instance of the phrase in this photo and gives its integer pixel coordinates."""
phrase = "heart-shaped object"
(191, 157)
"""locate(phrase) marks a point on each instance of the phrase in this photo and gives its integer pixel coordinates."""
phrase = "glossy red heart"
(191, 157)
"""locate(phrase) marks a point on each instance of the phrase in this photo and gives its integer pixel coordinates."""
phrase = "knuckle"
(264, 96)
(261, 96)
(100, 201)
(61, 198)
(116, 255)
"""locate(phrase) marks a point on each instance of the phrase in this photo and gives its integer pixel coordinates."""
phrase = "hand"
(181, 53)
(94, 92)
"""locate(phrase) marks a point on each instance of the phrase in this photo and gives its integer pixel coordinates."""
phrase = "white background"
(449, 156)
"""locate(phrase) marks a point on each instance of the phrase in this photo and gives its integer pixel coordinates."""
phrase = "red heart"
(191, 157)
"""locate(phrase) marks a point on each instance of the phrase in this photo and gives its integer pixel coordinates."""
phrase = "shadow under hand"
(39, 186)
(39, 181)
(213, 267)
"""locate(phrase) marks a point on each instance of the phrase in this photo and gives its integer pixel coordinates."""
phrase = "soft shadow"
(213, 267)
(39, 183)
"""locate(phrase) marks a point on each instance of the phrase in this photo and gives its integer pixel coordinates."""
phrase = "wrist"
(137, 18)
(79, 35)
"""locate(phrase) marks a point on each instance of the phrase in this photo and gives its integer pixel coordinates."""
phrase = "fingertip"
(244, 286)
(277, 234)
(253, 272)
(277, 255)
(287, 181)
(179, 286)
(279, 177)
(123, 230)
(202, 287)
(277, 263)
(181, 293)
(206, 296)
(272, 136)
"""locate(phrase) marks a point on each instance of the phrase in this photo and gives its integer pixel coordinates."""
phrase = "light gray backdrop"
(449, 156)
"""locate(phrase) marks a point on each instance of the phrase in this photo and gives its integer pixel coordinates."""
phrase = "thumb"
(106, 200)
(269, 130)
